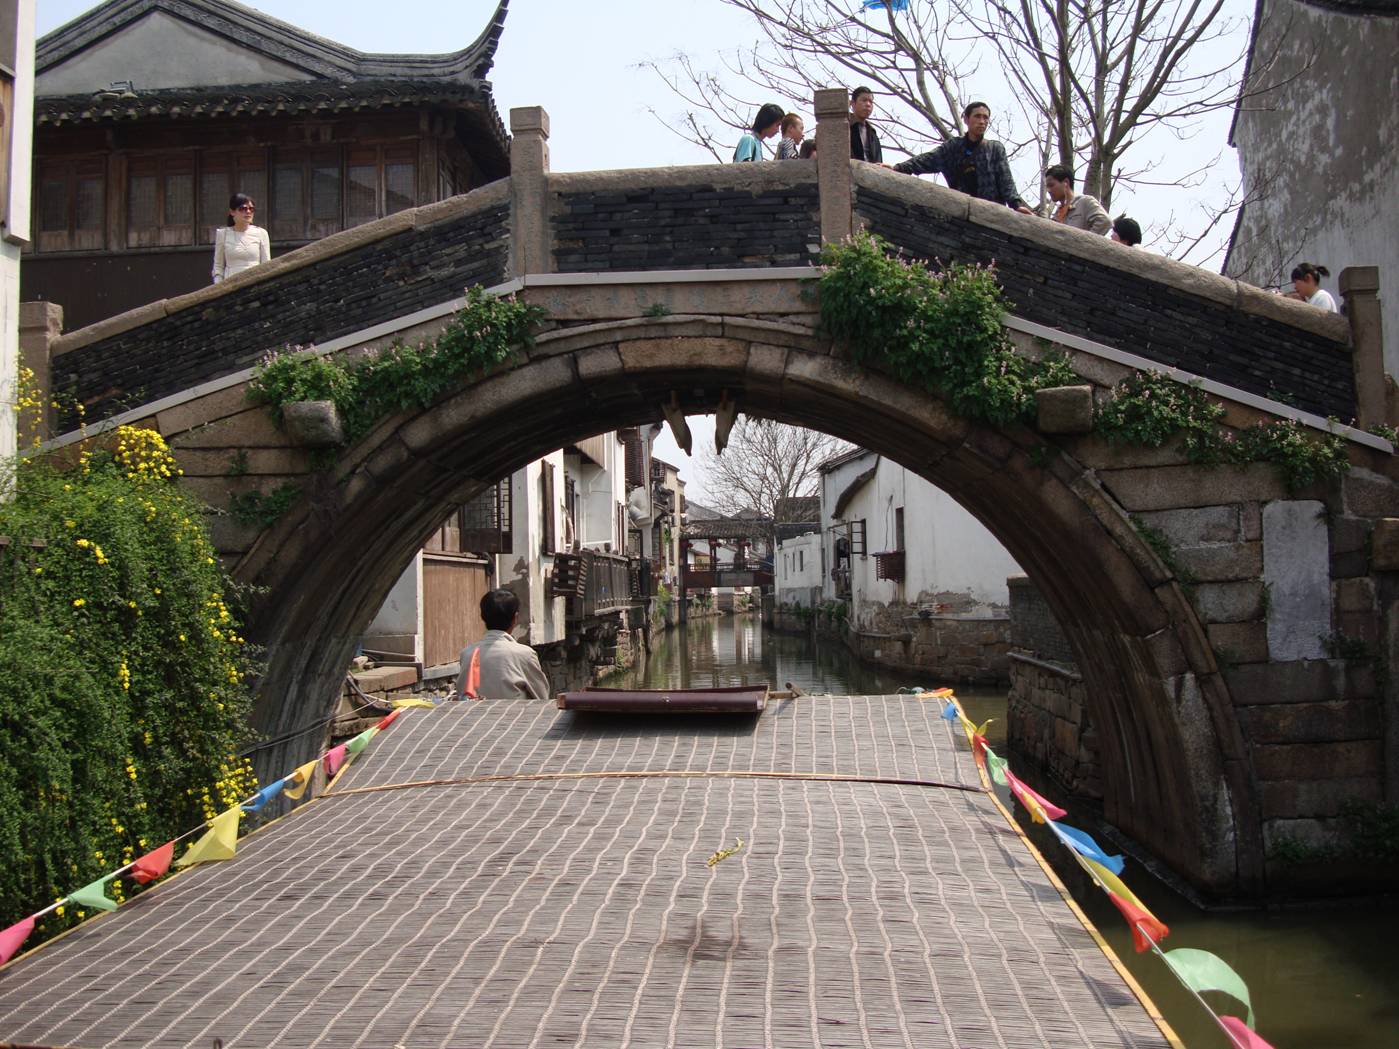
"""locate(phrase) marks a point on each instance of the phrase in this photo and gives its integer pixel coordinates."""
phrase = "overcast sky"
(580, 60)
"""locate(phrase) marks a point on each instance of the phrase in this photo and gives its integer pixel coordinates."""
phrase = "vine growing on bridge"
(123, 699)
(943, 331)
(482, 334)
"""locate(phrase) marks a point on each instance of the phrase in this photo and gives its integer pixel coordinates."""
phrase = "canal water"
(1320, 978)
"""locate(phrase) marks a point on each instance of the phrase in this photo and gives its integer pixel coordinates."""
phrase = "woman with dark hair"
(240, 245)
(1306, 285)
(765, 125)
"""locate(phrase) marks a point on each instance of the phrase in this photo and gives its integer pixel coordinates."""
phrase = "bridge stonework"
(1228, 631)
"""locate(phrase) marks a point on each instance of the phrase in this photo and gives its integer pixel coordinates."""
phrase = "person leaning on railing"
(971, 163)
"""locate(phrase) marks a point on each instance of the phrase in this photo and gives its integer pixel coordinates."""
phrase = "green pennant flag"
(361, 741)
(1202, 971)
(94, 896)
(997, 766)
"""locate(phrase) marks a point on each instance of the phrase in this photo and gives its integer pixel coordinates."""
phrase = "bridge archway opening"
(1170, 749)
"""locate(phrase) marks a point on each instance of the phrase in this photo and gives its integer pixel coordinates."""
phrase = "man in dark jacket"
(864, 141)
(971, 163)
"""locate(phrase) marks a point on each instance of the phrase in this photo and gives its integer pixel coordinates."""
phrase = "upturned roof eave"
(261, 33)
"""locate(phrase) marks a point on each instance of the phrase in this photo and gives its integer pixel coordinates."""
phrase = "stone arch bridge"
(1225, 723)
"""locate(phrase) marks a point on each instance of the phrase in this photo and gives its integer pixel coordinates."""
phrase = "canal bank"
(1319, 977)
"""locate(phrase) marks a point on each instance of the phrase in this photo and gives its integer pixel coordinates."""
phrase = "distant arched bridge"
(1225, 723)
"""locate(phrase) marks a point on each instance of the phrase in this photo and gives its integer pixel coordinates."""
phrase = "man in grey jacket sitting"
(1078, 210)
(498, 666)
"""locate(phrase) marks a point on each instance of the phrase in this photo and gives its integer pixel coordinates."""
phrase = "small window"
(899, 528)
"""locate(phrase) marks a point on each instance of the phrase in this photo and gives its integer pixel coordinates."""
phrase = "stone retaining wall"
(1047, 724)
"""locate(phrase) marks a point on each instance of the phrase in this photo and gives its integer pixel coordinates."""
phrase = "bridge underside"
(1175, 768)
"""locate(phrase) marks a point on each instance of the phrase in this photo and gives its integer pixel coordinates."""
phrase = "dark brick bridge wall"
(1130, 312)
(383, 280)
(701, 226)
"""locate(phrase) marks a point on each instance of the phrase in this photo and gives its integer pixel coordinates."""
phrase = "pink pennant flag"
(1240, 1034)
(1041, 809)
(12, 939)
(153, 864)
(388, 720)
(334, 758)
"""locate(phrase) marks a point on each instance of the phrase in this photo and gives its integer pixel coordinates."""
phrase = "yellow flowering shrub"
(125, 701)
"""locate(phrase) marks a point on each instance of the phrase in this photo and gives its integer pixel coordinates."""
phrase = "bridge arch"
(1174, 760)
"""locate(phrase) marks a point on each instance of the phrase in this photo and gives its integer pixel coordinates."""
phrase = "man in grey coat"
(498, 666)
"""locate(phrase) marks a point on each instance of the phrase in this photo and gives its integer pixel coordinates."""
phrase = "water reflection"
(1319, 978)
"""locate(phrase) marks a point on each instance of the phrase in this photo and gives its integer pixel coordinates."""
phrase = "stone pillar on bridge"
(832, 106)
(39, 324)
(1360, 286)
(529, 191)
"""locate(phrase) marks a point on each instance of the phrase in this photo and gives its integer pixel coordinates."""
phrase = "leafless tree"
(1091, 78)
(765, 466)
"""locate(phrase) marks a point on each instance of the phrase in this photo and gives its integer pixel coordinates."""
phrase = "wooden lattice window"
(379, 180)
(889, 565)
(160, 200)
(307, 194)
(72, 205)
(485, 523)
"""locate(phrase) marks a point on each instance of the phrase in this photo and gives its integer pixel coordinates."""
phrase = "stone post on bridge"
(39, 324)
(529, 191)
(1360, 286)
(832, 106)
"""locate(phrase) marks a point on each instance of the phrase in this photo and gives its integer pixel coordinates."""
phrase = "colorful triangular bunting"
(153, 864)
(220, 841)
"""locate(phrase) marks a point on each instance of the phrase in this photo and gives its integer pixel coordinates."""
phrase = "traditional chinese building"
(150, 113)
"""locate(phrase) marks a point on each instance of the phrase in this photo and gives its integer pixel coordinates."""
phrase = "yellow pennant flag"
(1108, 880)
(299, 780)
(408, 704)
(219, 842)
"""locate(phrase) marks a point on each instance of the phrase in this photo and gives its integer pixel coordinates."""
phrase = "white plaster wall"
(1319, 152)
(15, 214)
(9, 350)
(161, 51)
(799, 568)
(947, 550)
(524, 570)
(600, 490)
(402, 611)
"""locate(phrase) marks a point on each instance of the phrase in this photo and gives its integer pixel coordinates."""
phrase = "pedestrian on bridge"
(498, 666)
(765, 125)
(1306, 285)
(240, 245)
(1126, 231)
(971, 162)
(864, 140)
(1079, 210)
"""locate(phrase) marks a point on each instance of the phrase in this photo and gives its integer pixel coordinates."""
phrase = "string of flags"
(218, 842)
(1199, 971)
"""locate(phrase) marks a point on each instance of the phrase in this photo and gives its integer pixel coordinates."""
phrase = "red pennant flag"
(387, 721)
(334, 758)
(979, 749)
(154, 864)
(1240, 1034)
(12, 939)
(1146, 927)
(1038, 807)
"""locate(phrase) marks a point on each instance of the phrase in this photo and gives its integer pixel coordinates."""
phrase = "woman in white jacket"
(240, 245)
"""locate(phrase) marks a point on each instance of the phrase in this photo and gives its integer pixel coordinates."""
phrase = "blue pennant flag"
(949, 712)
(1084, 845)
(892, 5)
(263, 796)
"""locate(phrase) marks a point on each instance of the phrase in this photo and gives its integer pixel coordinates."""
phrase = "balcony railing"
(594, 583)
